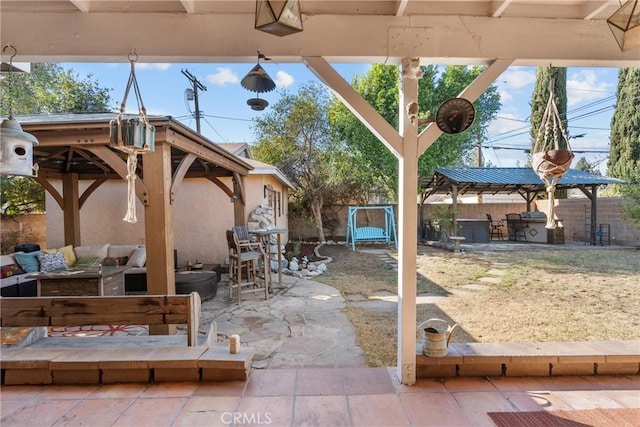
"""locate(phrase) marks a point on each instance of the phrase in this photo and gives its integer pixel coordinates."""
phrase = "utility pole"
(196, 85)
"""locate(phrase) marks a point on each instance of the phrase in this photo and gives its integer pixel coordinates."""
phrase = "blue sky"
(227, 117)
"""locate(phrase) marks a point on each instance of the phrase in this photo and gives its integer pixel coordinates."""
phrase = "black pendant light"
(258, 81)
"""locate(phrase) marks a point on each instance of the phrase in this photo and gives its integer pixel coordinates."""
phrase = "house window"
(272, 197)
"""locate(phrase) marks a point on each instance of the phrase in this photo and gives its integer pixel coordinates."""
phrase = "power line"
(216, 130)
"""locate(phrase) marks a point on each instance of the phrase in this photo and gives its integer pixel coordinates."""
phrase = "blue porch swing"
(371, 234)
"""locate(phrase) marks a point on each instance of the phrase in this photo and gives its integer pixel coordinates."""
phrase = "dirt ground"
(535, 295)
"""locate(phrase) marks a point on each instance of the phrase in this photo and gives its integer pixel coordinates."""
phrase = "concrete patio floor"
(353, 396)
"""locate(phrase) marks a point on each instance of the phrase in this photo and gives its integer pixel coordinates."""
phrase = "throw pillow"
(66, 251)
(7, 270)
(88, 261)
(138, 258)
(52, 262)
(28, 261)
(69, 255)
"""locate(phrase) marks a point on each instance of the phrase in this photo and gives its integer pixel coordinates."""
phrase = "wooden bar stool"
(244, 261)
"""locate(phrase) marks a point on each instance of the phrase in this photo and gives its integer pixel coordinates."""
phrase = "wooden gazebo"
(76, 147)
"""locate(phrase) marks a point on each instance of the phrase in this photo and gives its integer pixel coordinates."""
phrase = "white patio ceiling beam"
(402, 7)
(189, 5)
(82, 5)
(356, 104)
(499, 7)
(337, 38)
(593, 9)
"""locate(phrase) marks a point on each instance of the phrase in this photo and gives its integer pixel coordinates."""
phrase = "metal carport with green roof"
(524, 181)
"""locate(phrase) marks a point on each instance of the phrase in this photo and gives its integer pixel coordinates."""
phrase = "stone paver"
(303, 324)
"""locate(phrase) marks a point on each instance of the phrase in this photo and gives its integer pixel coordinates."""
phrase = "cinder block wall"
(572, 212)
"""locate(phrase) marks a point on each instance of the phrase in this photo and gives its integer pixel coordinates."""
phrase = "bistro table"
(266, 234)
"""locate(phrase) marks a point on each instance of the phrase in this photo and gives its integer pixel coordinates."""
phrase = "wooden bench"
(99, 310)
(95, 360)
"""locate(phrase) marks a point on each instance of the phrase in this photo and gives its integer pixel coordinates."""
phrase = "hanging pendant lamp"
(16, 151)
(625, 25)
(278, 17)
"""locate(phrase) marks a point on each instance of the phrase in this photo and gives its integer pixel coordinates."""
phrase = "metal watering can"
(435, 343)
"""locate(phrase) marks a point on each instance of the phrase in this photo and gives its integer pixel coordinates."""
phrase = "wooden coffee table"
(81, 282)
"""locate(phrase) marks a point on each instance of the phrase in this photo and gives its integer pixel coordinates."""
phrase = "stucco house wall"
(202, 213)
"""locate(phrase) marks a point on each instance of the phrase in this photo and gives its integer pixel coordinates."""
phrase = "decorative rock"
(322, 267)
(293, 265)
(311, 267)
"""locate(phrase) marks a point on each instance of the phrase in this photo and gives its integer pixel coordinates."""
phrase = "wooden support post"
(71, 209)
(159, 227)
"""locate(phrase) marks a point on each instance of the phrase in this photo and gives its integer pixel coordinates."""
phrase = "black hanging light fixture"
(278, 17)
(16, 145)
(625, 25)
(258, 81)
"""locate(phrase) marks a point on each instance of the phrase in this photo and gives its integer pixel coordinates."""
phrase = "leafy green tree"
(624, 155)
(380, 87)
(50, 89)
(540, 99)
(584, 165)
(295, 136)
(631, 206)
(47, 89)
(20, 195)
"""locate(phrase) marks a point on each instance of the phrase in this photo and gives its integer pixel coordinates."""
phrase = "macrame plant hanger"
(548, 160)
(132, 136)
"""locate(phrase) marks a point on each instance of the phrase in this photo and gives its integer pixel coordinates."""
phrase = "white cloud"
(284, 79)
(518, 77)
(513, 81)
(160, 66)
(505, 95)
(223, 76)
(585, 86)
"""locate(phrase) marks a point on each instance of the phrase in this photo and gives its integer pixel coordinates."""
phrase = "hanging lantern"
(548, 160)
(16, 151)
(132, 136)
(278, 17)
(625, 25)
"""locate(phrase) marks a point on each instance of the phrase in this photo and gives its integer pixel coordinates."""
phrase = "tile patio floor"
(353, 396)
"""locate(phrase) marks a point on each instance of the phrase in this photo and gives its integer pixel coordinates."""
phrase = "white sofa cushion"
(119, 251)
(100, 251)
